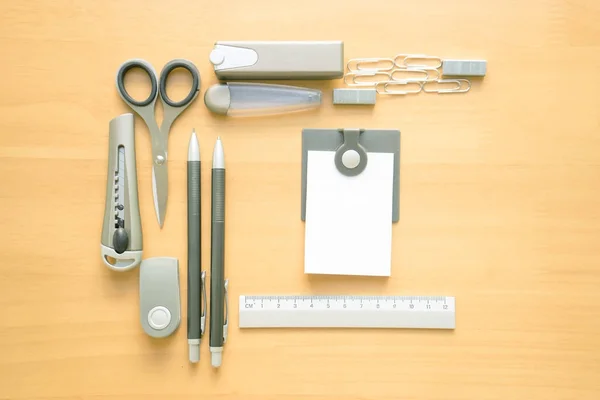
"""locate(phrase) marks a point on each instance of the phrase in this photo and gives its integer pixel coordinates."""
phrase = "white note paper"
(348, 219)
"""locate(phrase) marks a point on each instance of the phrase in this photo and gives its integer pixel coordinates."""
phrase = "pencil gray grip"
(217, 258)
(194, 296)
(218, 195)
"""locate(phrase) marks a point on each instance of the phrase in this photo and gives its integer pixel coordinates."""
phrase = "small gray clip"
(351, 157)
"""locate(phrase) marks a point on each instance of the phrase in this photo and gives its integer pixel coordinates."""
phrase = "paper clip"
(458, 86)
(400, 64)
(356, 62)
(407, 60)
(428, 74)
(385, 86)
(366, 73)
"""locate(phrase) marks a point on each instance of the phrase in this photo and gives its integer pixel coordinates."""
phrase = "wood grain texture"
(499, 204)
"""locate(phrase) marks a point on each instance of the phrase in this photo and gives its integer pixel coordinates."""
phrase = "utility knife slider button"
(120, 240)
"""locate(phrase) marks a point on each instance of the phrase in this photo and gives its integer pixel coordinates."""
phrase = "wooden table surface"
(499, 204)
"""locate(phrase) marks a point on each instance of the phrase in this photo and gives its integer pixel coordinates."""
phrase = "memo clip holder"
(351, 146)
(350, 198)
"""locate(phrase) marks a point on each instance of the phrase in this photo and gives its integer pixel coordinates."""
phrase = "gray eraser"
(354, 96)
(160, 309)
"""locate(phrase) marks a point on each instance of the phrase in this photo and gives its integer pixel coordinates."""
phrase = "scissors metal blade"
(159, 188)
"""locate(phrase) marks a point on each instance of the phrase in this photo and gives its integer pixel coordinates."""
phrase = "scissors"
(145, 109)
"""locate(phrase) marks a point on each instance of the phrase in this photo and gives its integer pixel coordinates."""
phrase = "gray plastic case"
(372, 140)
(160, 305)
(278, 59)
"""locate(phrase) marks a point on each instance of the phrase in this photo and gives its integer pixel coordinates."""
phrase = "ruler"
(416, 312)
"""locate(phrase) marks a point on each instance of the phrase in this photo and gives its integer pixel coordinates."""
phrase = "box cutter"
(121, 243)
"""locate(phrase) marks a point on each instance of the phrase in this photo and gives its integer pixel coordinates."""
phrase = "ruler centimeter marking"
(306, 311)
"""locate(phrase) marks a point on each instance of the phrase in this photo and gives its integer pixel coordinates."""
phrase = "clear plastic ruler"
(413, 312)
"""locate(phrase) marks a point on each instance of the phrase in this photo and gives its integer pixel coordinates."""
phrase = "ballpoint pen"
(218, 284)
(196, 288)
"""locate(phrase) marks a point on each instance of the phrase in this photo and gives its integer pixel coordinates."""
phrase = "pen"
(218, 284)
(196, 289)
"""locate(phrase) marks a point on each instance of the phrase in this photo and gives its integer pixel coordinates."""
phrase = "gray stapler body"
(278, 59)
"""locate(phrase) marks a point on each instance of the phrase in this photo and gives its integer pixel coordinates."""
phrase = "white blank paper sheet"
(348, 219)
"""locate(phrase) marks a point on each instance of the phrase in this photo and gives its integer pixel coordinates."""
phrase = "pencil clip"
(204, 302)
(226, 324)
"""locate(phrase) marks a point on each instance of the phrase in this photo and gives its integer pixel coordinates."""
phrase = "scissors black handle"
(164, 75)
(161, 84)
(126, 67)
